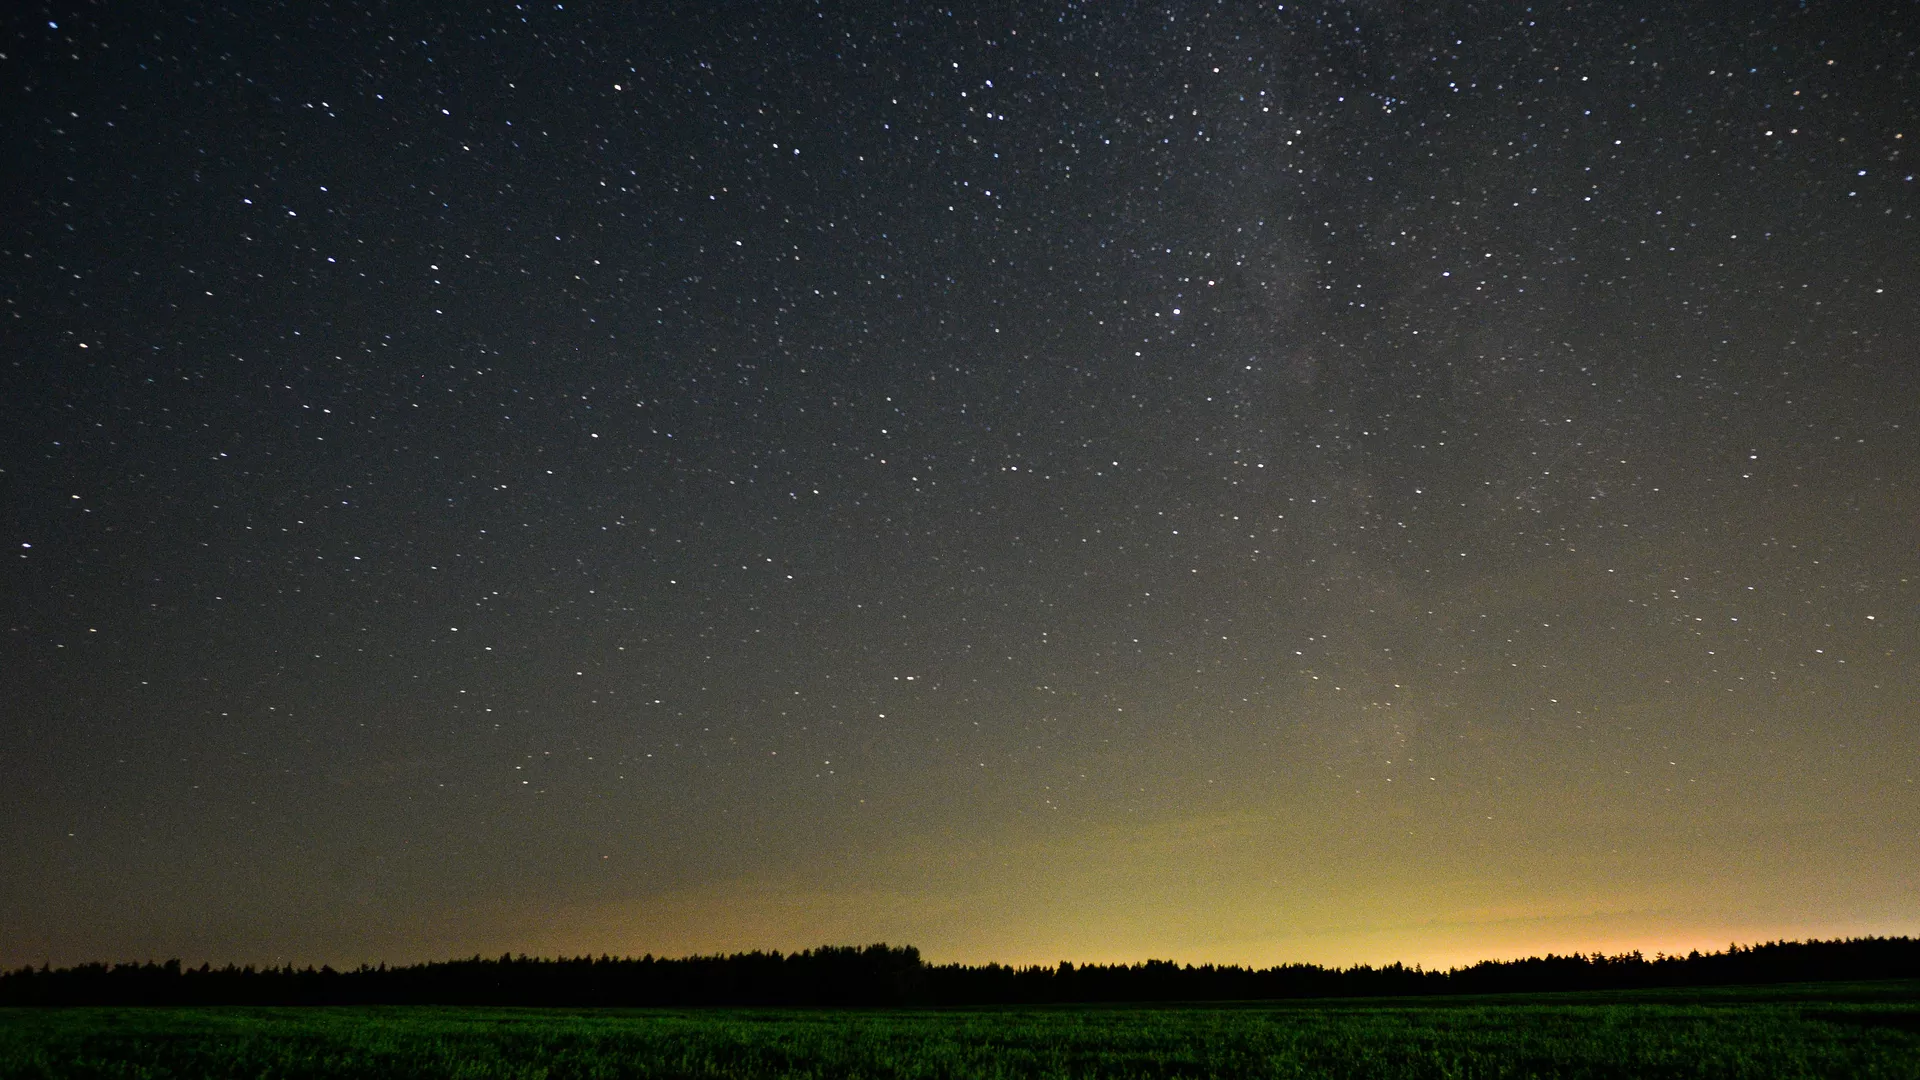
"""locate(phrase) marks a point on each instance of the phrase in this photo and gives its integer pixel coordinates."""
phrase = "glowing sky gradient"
(1239, 483)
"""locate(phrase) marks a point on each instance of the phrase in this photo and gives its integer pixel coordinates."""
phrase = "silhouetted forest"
(886, 975)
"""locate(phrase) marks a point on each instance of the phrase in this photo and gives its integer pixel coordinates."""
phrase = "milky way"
(1247, 483)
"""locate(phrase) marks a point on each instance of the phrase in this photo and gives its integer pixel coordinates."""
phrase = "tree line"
(882, 975)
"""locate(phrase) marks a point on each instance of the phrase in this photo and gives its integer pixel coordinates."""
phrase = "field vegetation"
(1827, 1030)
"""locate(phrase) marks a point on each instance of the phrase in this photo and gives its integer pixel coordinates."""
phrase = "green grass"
(1862, 1030)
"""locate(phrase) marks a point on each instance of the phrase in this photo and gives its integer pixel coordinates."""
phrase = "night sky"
(1232, 482)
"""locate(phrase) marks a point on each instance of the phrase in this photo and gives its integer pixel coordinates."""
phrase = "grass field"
(1856, 1030)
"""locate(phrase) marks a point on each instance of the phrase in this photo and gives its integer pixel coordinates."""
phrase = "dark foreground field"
(1856, 1030)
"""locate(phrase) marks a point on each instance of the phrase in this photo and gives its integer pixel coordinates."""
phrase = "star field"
(1241, 482)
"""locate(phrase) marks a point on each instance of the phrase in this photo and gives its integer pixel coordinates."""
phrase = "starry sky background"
(1254, 483)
